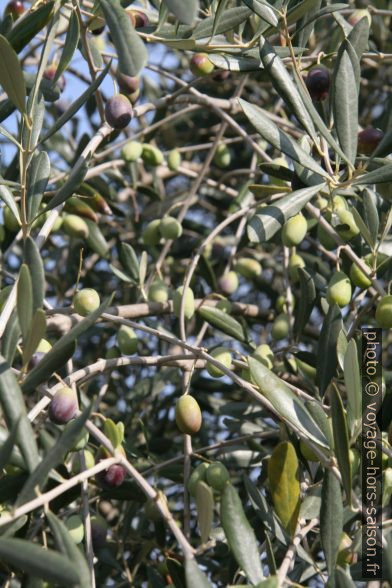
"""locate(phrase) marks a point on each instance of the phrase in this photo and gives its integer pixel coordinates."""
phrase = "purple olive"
(15, 8)
(129, 86)
(118, 111)
(368, 139)
(49, 74)
(318, 82)
(63, 406)
(99, 531)
(112, 477)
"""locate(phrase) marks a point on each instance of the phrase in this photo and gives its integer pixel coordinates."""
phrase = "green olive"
(295, 262)
(127, 340)
(384, 312)
(174, 160)
(217, 476)
(152, 155)
(189, 302)
(75, 226)
(294, 230)
(170, 228)
(198, 475)
(280, 327)
(86, 301)
(151, 234)
(158, 292)
(264, 354)
(132, 151)
(339, 290)
(220, 354)
(248, 267)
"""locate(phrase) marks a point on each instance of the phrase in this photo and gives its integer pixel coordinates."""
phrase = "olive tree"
(195, 245)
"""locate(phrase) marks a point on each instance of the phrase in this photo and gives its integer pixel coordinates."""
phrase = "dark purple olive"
(368, 139)
(99, 531)
(318, 82)
(138, 19)
(129, 86)
(63, 406)
(49, 74)
(35, 359)
(118, 111)
(15, 8)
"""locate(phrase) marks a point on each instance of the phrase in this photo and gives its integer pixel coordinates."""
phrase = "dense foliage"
(196, 214)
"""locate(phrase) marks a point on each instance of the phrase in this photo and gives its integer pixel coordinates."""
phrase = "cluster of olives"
(215, 475)
(168, 228)
(150, 154)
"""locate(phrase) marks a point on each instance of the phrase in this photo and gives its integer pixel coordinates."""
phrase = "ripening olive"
(220, 354)
(15, 9)
(50, 73)
(189, 306)
(217, 476)
(86, 301)
(138, 19)
(228, 283)
(63, 406)
(339, 289)
(358, 15)
(248, 267)
(118, 111)
(127, 340)
(129, 86)
(151, 234)
(384, 312)
(75, 226)
(188, 415)
(96, 25)
(294, 230)
(200, 65)
(132, 151)
(368, 140)
(280, 327)
(170, 228)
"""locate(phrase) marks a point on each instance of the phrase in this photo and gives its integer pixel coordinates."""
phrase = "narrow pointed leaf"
(131, 51)
(70, 45)
(195, 578)
(232, 18)
(37, 331)
(14, 410)
(345, 100)
(327, 354)
(53, 458)
(278, 138)
(377, 176)
(313, 15)
(24, 300)
(359, 36)
(184, 10)
(300, 10)
(38, 177)
(240, 535)
(263, 10)
(286, 404)
(26, 28)
(37, 561)
(306, 301)
(129, 260)
(222, 321)
(95, 240)
(35, 264)
(269, 219)
(341, 440)
(66, 545)
(284, 484)
(11, 75)
(285, 87)
(8, 445)
(6, 196)
(331, 519)
(205, 509)
(352, 380)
